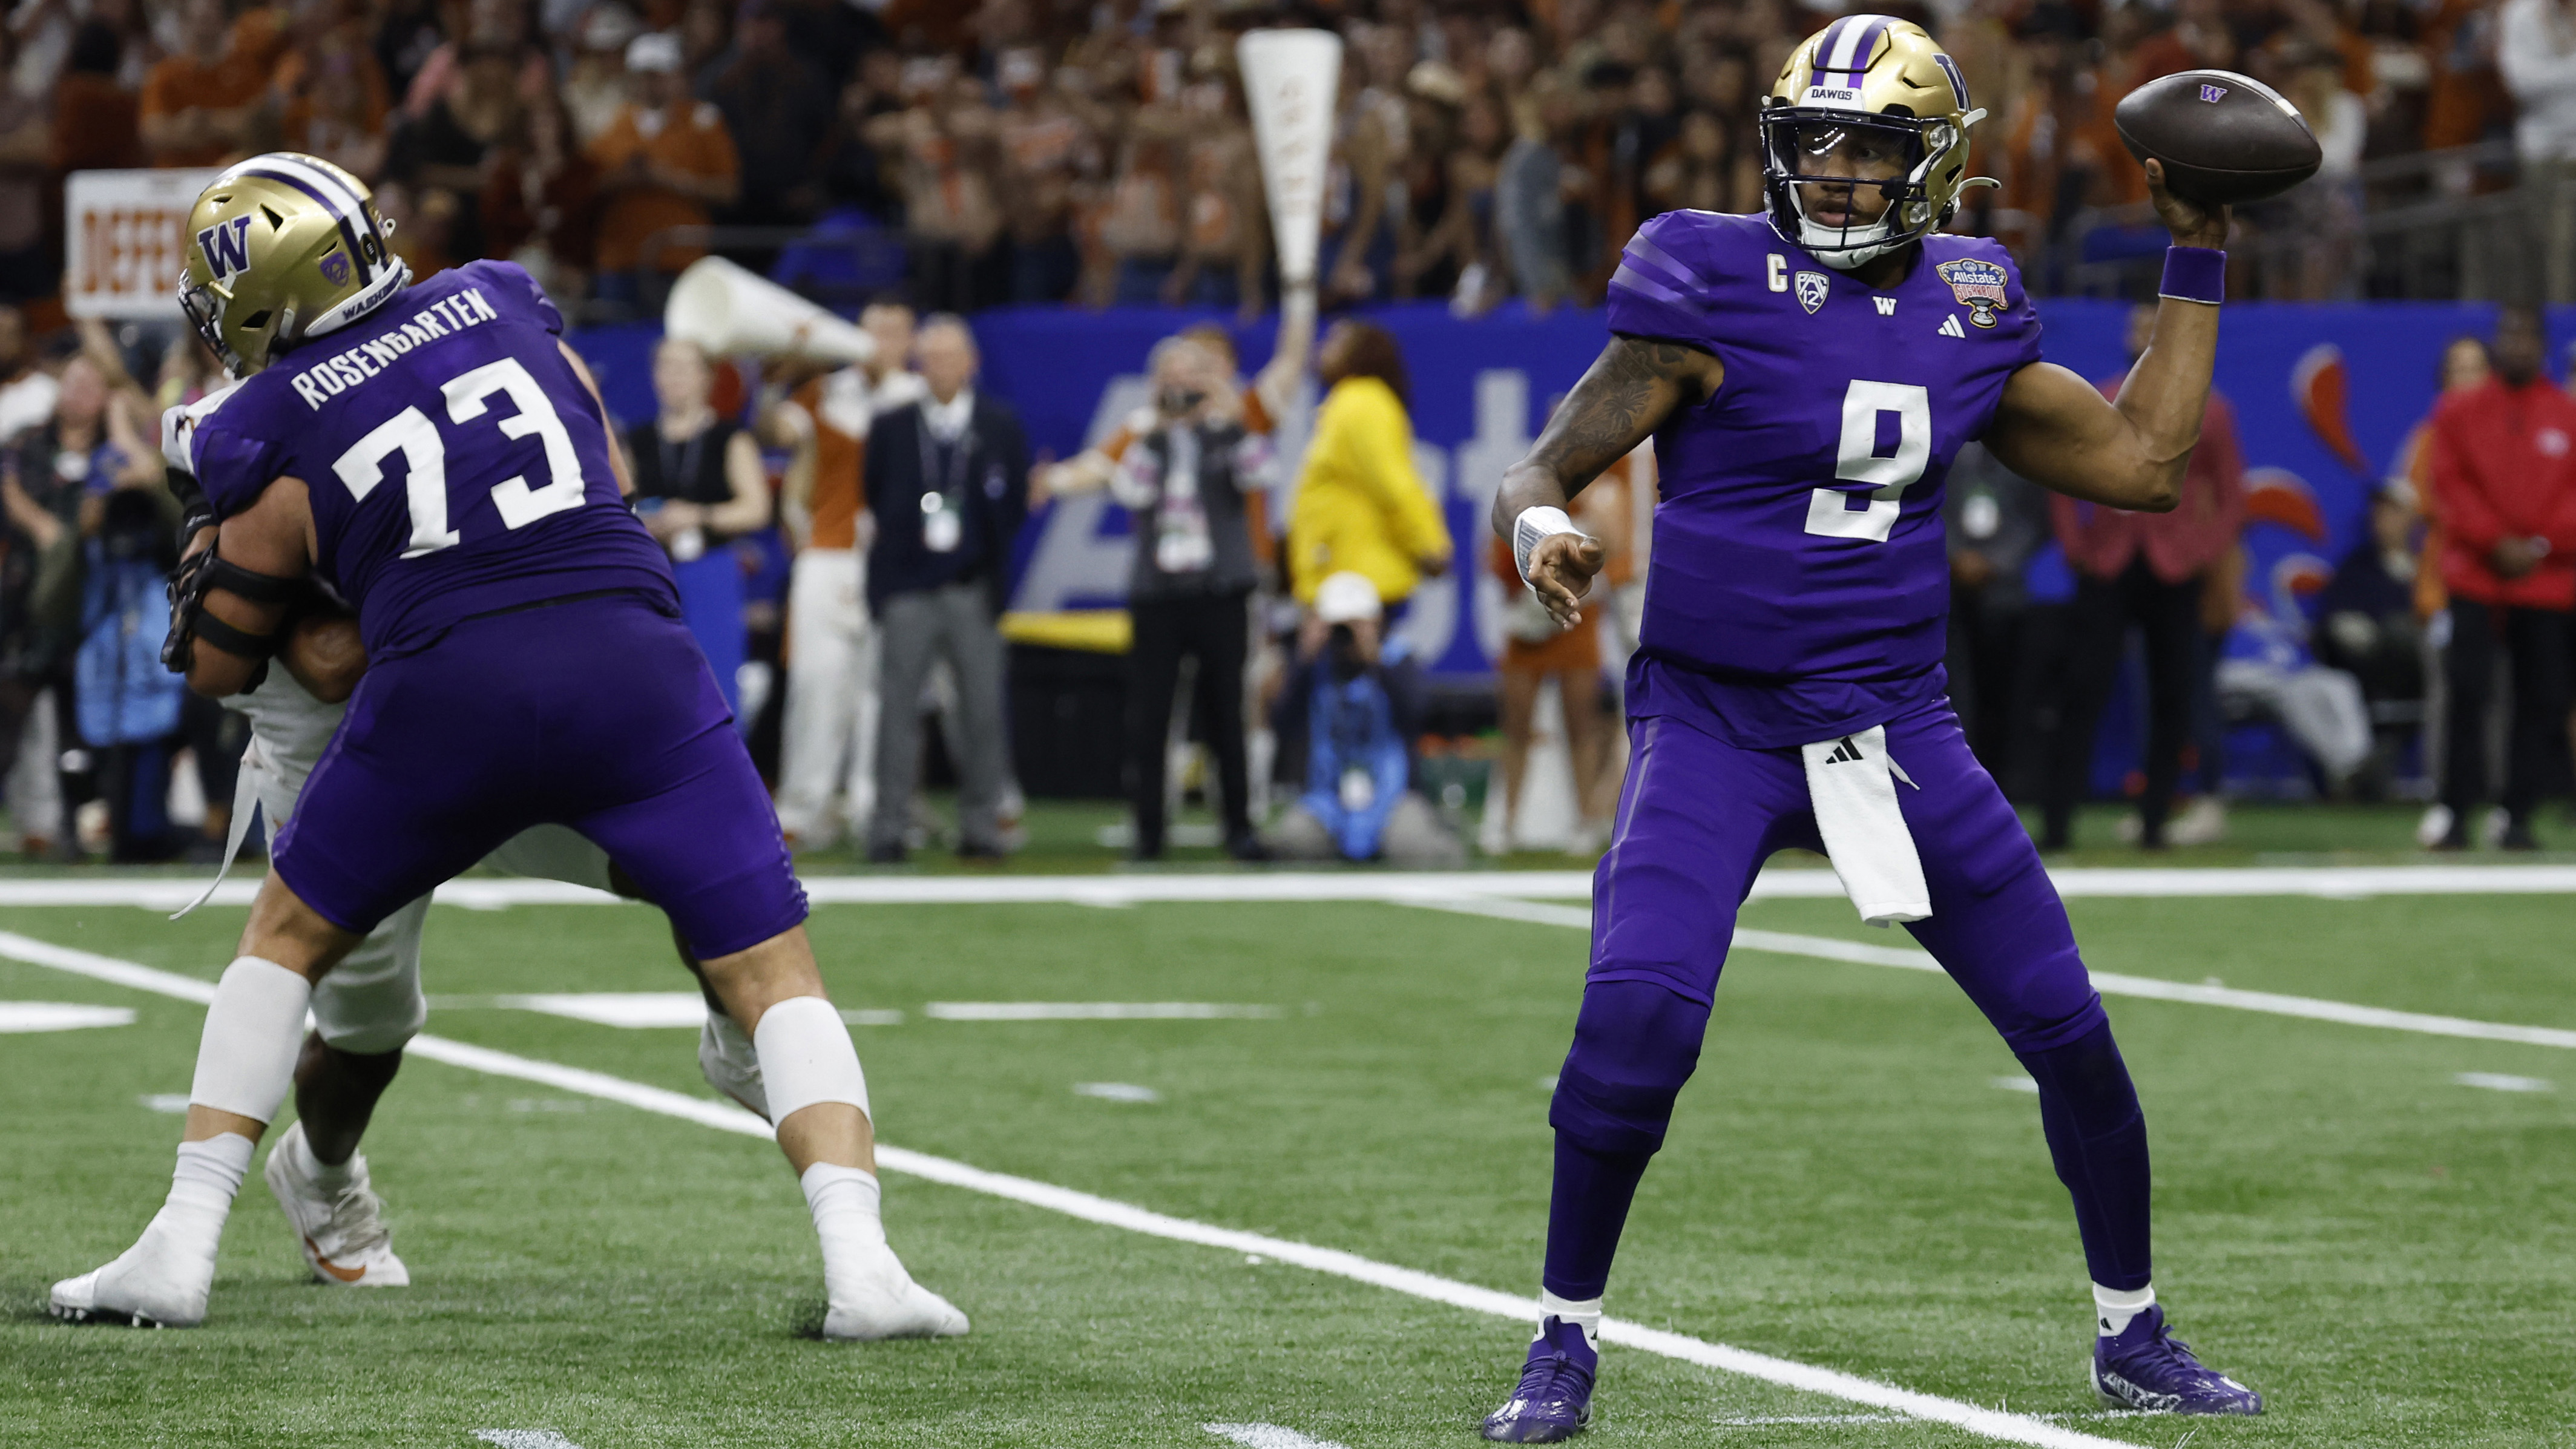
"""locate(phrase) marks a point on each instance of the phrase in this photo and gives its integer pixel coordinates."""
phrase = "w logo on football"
(2212, 93)
(227, 247)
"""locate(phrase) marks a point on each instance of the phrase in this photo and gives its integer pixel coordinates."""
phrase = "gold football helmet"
(280, 248)
(1881, 93)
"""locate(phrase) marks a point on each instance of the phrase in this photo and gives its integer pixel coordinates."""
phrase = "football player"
(1807, 375)
(440, 458)
(370, 1005)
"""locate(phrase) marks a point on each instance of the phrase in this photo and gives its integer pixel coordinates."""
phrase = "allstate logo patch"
(2212, 94)
(335, 269)
(1979, 286)
(1813, 288)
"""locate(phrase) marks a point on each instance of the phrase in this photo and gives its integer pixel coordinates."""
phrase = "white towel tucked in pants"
(1851, 781)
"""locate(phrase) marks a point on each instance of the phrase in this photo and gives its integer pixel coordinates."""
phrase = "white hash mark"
(525, 1439)
(1267, 1436)
(2499, 1082)
(2018, 1084)
(1117, 1091)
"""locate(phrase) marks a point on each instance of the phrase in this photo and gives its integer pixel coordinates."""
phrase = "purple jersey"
(1800, 585)
(456, 463)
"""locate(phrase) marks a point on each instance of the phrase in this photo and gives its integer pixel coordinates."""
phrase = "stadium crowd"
(1033, 151)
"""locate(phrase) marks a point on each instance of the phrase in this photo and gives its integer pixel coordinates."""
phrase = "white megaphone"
(1289, 80)
(728, 311)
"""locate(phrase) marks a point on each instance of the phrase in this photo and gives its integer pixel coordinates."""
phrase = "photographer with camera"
(1189, 480)
(1357, 700)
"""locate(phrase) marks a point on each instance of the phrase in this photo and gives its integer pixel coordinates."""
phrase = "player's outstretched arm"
(2055, 430)
(1627, 393)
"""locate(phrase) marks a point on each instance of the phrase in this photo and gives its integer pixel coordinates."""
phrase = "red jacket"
(2101, 540)
(2504, 465)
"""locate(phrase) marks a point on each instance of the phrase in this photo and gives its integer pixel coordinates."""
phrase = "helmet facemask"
(1858, 157)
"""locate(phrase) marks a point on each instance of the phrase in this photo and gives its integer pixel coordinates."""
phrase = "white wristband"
(1533, 525)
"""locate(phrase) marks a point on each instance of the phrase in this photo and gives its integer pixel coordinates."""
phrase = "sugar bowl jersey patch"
(1979, 286)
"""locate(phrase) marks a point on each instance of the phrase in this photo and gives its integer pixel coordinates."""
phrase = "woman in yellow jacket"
(1360, 506)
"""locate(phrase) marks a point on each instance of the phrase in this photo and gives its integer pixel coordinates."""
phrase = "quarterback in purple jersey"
(437, 456)
(1808, 374)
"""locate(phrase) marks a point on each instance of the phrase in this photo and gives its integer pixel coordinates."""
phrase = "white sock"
(2113, 1308)
(1584, 1314)
(202, 1188)
(299, 1150)
(844, 1201)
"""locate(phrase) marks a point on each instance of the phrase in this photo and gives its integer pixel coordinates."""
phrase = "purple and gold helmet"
(1876, 87)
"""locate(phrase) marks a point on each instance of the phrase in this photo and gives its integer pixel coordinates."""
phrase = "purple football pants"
(595, 713)
(1697, 817)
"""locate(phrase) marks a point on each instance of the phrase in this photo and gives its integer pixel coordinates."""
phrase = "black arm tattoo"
(1627, 393)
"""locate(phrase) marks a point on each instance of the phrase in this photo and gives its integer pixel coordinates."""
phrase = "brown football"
(2225, 139)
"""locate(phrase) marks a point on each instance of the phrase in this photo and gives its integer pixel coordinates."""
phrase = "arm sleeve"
(2459, 500)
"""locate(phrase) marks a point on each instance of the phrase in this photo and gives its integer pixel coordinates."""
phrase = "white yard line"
(168, 893)
(2109, 983)
(1094, 1011)
(725, 1117)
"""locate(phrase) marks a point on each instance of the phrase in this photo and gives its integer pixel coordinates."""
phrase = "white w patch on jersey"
(1950, 326)
(1886, 306)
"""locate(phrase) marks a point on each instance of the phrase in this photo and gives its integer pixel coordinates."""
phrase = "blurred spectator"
(2267, 670)
(2536, 54)
(1994, 520)
(947, 481)
(699, 485)
(1225, 231)
(27, 392)
(1529, 199)
(406, 36)
(1048, 151)
(2366, 620)
(1356, 700)
(1360, 506)
(95, 113)
(2504, 489)
(199, 104)
(2154, 572)
(26, 177)
(594, 86)
(1536, 652)
(540, 200)
(945, 158)
(663, 163)
(442, 156)
(777, 109)
(829, 744)
(1191, 479)
(1459, 246)
(334, 98)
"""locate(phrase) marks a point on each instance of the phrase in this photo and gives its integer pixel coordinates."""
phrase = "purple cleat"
(2146, 1367)
(1554, 1399)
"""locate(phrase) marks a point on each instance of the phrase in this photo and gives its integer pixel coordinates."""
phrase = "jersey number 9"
(1857, 459)
(424, 453)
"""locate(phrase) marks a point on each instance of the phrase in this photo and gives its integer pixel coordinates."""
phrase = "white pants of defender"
(831, 725)
(371, 1002)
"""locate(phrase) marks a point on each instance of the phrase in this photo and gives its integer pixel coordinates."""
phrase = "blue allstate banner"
(2325, 395)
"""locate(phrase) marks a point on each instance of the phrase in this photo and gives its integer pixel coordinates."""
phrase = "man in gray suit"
(947, 479)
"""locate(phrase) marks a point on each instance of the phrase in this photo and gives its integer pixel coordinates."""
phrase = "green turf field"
(2387, 1253)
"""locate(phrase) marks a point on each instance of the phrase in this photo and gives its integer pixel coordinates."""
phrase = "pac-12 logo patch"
(226, 245)
(1813, 288)
(335, 269)
(1979, 286)
(2212, 94)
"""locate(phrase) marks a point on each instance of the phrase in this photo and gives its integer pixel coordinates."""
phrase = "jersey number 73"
(424, 452)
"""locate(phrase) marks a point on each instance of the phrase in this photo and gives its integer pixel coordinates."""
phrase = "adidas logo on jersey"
(1886, 306)
(1845, 753)
(1950, 326)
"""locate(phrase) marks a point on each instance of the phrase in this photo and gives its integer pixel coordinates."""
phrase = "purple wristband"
(2194, 274)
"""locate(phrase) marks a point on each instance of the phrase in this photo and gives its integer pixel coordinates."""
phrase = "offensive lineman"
(525, 666)
(1807, 376)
